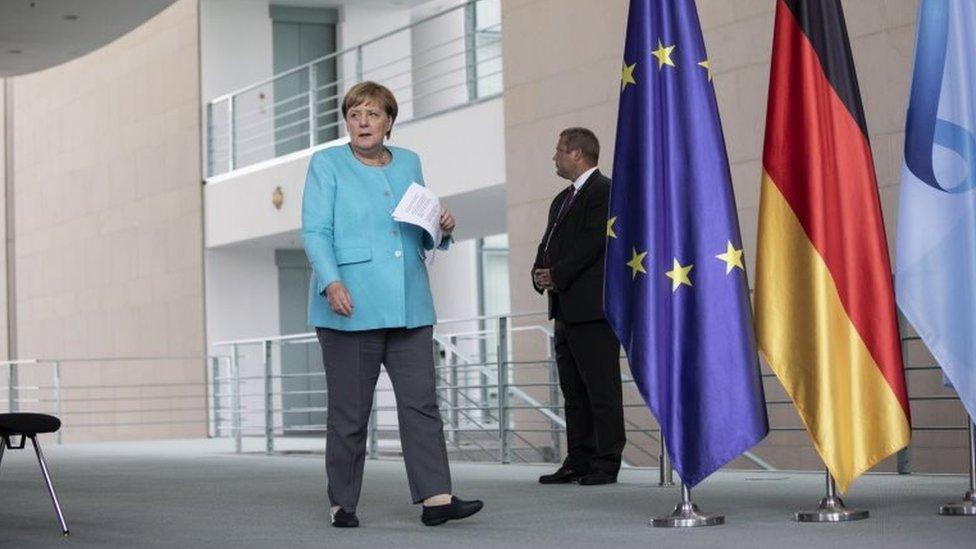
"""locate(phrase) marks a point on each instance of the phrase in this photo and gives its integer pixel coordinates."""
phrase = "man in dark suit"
(569, 268)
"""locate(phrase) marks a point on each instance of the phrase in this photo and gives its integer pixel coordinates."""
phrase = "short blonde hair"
(376, 93)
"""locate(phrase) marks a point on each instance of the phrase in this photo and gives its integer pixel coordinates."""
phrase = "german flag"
(825, 307)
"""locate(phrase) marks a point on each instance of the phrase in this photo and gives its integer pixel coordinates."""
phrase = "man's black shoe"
(563, 475)
(597, 477)
(435, 515)
(344, 519)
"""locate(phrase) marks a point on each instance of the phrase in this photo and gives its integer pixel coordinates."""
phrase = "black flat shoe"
(563, 475)
(435, 515)
(344, 519)
(597, 477)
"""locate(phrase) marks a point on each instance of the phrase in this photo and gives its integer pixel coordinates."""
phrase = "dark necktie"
(563, 210)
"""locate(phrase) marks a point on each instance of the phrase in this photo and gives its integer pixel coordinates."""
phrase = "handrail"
(312, 337)
(515, 390)
(103, 359)
(335, 54)
(231, 398)
(244, 130)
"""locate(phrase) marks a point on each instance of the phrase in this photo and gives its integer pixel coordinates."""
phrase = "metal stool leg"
(50, 487)
(3, 446)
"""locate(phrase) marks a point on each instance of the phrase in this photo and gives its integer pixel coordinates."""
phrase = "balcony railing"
(497, 388)
(499, 396)
(433, 65)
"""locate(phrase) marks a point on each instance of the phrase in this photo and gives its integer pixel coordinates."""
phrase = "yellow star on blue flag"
(679, 275)
(627, 76)
(663, 54)
(732, 257)
(636, 263)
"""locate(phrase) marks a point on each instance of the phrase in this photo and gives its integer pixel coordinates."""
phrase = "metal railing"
(495, 375)
(432, 65)
(494, 407)
(111, 393)
(498, 391)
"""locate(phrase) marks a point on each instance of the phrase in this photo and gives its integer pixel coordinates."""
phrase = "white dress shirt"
(582, 179)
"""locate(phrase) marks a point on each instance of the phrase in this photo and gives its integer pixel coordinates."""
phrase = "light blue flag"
(935, 269)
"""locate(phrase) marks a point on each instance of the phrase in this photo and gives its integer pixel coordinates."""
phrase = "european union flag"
(935, 268)
(676, 289)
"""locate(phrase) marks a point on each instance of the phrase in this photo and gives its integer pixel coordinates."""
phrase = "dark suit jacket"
(576, 251)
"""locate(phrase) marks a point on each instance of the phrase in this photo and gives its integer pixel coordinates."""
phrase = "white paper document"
(422, 208)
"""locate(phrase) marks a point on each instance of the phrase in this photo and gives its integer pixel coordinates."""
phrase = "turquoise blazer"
(350, 236)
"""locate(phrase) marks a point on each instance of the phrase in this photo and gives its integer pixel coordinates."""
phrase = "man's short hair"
(583, 140)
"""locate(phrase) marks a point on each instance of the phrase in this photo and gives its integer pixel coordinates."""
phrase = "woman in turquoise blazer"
(370, 304)
(351, 239)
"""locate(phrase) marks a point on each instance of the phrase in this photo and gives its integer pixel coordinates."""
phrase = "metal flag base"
(686, 515)
(966, 507)
(831, 508)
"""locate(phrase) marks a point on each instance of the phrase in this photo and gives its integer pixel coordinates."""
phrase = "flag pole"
(686, 514)
(831, 508)
(966, 507)
(666, 472)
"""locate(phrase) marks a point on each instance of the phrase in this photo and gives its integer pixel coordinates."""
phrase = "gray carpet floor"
(200, 494)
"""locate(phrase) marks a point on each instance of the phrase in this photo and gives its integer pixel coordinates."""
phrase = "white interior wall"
(454, 285)
(236, 51)
(242, 293)
(385, 61)
(235, 44)
(453, 281)
(241, 303)
(236, 39)
(358, 24)
(438, 47)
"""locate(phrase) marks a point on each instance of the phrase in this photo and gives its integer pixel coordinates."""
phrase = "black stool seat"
(28, 424)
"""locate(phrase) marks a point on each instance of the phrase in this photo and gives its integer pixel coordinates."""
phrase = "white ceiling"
(38, 34)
